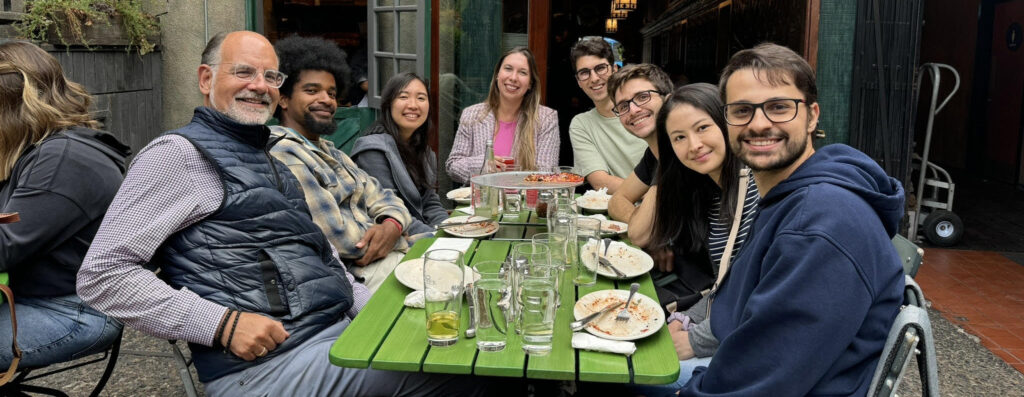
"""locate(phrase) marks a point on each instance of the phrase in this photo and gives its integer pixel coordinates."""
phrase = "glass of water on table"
(537, 298)
(491, 299)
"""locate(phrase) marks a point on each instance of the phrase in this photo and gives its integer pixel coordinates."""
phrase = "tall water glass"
(490, 296)
(443, 281)
(560, 206)
(588, 231)
(524, 257)
(538, 311)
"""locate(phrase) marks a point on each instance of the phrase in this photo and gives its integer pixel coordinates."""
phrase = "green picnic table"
(389, 336)
(3, 280)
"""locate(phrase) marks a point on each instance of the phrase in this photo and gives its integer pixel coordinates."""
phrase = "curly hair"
(36, 100)
(297, 54)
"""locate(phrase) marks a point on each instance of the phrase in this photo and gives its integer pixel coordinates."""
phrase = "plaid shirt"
(343, 200)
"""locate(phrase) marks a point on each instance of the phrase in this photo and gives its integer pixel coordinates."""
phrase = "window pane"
(406, 65)
(385, 70)
(385, 2)
(407, 32)
(386, 31)
(406, 2)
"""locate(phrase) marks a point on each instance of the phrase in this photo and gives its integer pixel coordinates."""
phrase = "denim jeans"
(686, 368)
(54, 329)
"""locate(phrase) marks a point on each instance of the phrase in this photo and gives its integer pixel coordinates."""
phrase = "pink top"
(506, 136)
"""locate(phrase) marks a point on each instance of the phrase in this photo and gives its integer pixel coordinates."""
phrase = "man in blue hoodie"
(809, 301)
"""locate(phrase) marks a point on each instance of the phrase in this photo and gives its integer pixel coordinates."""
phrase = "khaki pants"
(375, 273)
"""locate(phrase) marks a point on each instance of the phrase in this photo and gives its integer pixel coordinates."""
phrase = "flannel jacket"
(343, 200)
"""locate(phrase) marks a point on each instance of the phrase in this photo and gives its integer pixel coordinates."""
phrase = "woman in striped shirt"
(696, 205)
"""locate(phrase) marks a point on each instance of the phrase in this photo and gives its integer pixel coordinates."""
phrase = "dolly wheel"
(943, 228)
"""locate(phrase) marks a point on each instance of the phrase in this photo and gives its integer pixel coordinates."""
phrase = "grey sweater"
(377, 154)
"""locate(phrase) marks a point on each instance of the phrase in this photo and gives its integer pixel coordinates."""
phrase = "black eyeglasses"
(600, 70)
(639, 99)
(245, 72)
(776, 110)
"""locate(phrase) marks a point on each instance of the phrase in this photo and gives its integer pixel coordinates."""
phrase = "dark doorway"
(1005, 93)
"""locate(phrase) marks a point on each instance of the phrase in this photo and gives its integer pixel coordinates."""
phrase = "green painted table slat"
(3, 280)
(599, 366)
(358, 344)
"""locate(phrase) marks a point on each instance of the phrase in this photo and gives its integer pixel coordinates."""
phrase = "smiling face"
(310, 109)
(247, 102)
(513, 78)
(639, 120)
(596, 86)
(410, 108)
(762, 144)
(696, 140)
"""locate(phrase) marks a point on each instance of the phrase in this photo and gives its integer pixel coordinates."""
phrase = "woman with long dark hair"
(60, 174)
(512, 116)
(394, 150)
(698, 189)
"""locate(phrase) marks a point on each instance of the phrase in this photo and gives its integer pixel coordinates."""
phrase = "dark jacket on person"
(260, 251)
(377, 154)
(807, 305)
(61, 187)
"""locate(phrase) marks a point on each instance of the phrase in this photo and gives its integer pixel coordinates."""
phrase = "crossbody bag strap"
(737, 218)
(7, 376)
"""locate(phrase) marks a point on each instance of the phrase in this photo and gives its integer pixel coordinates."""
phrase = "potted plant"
(90, 22)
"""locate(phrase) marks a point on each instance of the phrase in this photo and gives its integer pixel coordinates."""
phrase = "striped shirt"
(169, 187)
(719, 231)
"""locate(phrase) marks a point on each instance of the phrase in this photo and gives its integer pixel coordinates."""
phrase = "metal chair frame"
(909, 337)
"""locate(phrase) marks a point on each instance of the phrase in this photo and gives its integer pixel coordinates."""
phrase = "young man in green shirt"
(604, 151)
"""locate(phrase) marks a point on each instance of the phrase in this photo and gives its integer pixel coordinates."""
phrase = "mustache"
(248, 94)
(323, 108)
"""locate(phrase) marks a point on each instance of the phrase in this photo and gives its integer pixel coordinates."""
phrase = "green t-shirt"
(602, 144)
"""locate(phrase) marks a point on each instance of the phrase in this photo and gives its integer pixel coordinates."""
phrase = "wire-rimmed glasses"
(600, 70)
(245, 72)
(641, 98)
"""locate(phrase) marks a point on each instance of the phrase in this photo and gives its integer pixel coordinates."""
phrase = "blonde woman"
(60, 174)
(522, 129)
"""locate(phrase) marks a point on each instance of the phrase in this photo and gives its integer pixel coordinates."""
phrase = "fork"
(624, 314)
(603, 261)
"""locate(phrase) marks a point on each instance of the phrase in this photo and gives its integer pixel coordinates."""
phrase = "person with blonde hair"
(512, 116)
(60, 174)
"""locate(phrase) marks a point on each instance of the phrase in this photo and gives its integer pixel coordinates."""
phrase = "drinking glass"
(559, 207)
(588, 231)
(486, 201)
(443, 281)
(527, 258)
(537, 319)
(490, 305)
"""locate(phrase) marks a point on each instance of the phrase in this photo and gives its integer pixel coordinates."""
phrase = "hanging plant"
(75, 21)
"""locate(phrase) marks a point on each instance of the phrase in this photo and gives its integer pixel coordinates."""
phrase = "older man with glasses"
(246, 277)
(604, 151)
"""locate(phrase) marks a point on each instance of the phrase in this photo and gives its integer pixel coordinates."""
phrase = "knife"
(471, 329)
(453, 224)
(582, 323)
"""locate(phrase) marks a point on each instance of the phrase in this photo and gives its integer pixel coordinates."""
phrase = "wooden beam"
(811, 35)
(435, 71)
(539, 23)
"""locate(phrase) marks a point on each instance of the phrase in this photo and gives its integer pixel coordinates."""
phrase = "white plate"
(611, 228)
(460, 195)
(593, 202)
(646, 316)
(629, 260)
(410, 274)
(471, 231)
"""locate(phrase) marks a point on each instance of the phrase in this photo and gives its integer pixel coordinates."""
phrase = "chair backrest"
(910, 336)
(910, 254)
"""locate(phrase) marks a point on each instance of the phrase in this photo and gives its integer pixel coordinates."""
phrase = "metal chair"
(909, 337)
(910, 254)
(18, 386)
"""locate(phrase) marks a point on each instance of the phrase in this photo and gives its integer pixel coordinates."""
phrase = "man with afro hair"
(361, 219)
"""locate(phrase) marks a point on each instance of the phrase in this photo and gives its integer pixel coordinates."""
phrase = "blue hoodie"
(809, 301)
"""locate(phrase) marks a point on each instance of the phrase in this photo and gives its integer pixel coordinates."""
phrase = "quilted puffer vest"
(260, 251)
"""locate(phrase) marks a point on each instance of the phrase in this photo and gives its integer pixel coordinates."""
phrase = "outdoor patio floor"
(982, 292)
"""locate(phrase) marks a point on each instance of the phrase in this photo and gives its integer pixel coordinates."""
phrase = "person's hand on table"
(254, 335)
(378, 242)
(663, 258)
(681, 340)
(499, 163)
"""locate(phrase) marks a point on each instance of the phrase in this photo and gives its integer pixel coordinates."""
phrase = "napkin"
(585, 341)
(465, 210)
(460, 244)
(414, 299)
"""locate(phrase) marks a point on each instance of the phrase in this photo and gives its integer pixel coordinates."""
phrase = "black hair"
(414, 152)
(684, 194)
(296, 54)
